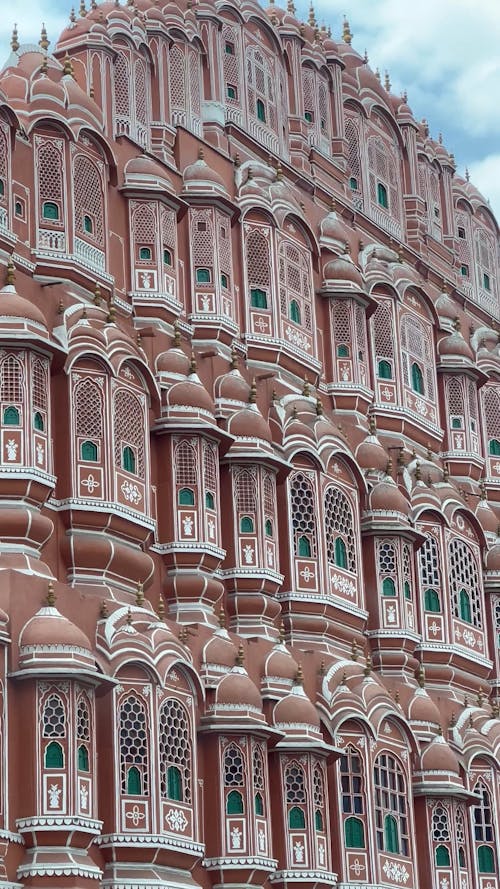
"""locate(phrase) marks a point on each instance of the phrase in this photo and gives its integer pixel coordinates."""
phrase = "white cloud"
(485, 174)
(29, 16)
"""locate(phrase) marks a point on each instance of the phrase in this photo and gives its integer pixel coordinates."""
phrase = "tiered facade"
(250, 466)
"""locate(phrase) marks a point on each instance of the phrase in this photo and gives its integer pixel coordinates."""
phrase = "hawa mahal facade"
(250, 466)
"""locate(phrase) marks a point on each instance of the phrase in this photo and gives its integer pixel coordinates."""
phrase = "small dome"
(173, 361)
(50, 641)
(232, 387)
(439, 757)
(220, 650)
(199, 177)
(296, 709)
(493, 558)
(423, 709)
(190, 393)
(16, 307)
(342, 270)
(148, 173)
(455, 345)
(445, 307)
(371, 455)
(387, 497)
(249, 423)
(237, 689)
(486, 517)
(279, 664)
(333, 231)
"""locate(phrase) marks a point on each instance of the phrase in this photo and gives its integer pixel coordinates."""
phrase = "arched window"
(185, 497)
(464, 580)
(203, 276)
(11, 416)
(354, 833)
(484, 830)
(465, 607)
(261, 110)
(485, 860)
(388, 587)
(88, 451)
(88, 224)
(259, 804)
(50, 165)
(442, 856)
(145, 253)
(269, 528)
(258, 776)
(295, 795)
(175, 752)
(318, 820)
(209, 500)
(245, 496)
(417, 379)
(385, 370)
(38, 421)
(88, 200)
(234, 803)
(303, 511)
(54, 756)
(54, 717)
(432, 602)
(304, 547)
(494, 447)
(258, 298)
(382, 196)
(353, 183)
(50, 210)
(246, 525)
(83, 733)
(294, 311)
(391, 806)
(134, 753)
(83, 758)
(339, 529)
(234, 777)
(128, 459)
(296, 818)
(342, 351)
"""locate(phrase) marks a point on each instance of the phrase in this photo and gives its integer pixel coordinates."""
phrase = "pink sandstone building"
(250, 466)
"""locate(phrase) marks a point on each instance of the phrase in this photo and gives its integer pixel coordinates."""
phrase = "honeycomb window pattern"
(464, 577)
(133, 741)
(440, 825)
(339, 523)
(234, 767)
(175, 746)
(258, 767)
(54, 718)
(295, 784)
(303, 511)
(82, 720)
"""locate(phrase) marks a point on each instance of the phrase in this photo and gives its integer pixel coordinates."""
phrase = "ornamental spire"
(139, 595)
(346, 33)
(10, 277)
(44, 42)
(14, 42)
(51, 599)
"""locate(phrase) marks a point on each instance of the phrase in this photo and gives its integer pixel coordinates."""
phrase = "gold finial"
(439, 731)
(60, 308)
(421, 676)
(377, 75)
(466, 702)
(453, 720)
(111, 314)
(84, 313)
(429, 452)
(237, 160)
(346, 32)
(138, 339)
(418, 473)
(91, 91)
(93, 4)
(372, 424)
(104, 609)
(68, 66)
(319, 407)
(72, 16)
(482, 489)
(222, 618)
(281, 633)
(139, 595)
(311, 18)
(446, 473)
(467, 175)
(160, 610)
(495, 710)
(471, 721)
(368, 665)
(299, 676)
(252, 397)
(480, 697)
(354, 650)
(404, 96)
(14, 40)
(10, 277)
(294, 412)
(183, 635)
(97, 294)
(129, 618)
(388, 468)
(82, 9)
(240, 657)
(51, 599)
(456, 323)
(45, 65)
(234, 359)
(177, 335)
(192, 365)
(201, 154)
(249, 173)
(322, 667)
(343, 678)
(387, 82)
(397, 698)
(279, 172)
(291, 7)
(306, 389)
(43, 43)
(365, 57)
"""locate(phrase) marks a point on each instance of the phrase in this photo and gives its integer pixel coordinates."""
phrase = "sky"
(444, 53)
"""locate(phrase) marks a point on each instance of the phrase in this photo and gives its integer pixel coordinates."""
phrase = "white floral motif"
(434, 628)
(135, 815)
(343, 585)
(298, 338)
(307, 574)
(444, 884)
(270, 557)
(391, 615)
(40, 453)
(11, 446)
(357, 867)
(321, 854)
(387, 394)
(146, 281)
(54, 793)
(262, 841)
(176, 820)
(131, 492)
(469, 638)
(187, 526)
(236, 838)
(298, 851)
(84, 797)
(248, 553)
(211, 528)
(395, 871)
(90, 483)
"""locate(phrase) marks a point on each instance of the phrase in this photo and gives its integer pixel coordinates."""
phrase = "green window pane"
(384, 370)
(145, 253)
(456, 422)
(318, 820)
(167, 257)
(391, 835)
(407, 590)
(269, 528)
(259, 804)
(38, 421)
(494, 447)
(18, 208)
(134, 784)
(487, 286)
(382, 196)
(174, 783)
(353, 183)
(354, 832)
(209, 500)
(340, 553)
(88, 451)
(50, 210)
(203, 276)
(461, 856)
(185, 497)
(294, 311)
(308, 116)
(417, 379)
(304, 547)
(224, 282)
(234, 803)
(231, 92)
(485, 860)
(246, 525)
(88, 225)
(464, 271)
(83, 758)
(2, 188)
(465, 609)
(261, 111)
(258, 298)
(388, 587)
(431, 601)
(442, 856)
(296, 818)
(229, 49)
(342, 351)
(11, 416)
(54, 757)
(128, 459)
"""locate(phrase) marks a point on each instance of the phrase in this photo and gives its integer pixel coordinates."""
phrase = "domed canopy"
(439, 771)
(342, 274)
(49, 641)
(387, 497)
(455, 346)
(16, 309)
(199, 178)
(147, 174)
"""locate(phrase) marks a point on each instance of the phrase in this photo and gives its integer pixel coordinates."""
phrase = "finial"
(421, 676)
(372, 424)
(240, 657)
(471, 721)
(93, 4)
(129, 618)
(60, 308)
(43, 43)
(299, 676)
(104, 609)
(192, 364)
(312, 18)
(397, 698)
(222, 618)
(82, 9)
(346, 32)
(466, 702)
(138, 339)
(347, 248)
(201, 154)
(14, 41)
(45, 64)
(160, 610)
(177, 334)
(10, 277)
(72, 16)
(234, 358)
(306, 389)
(495, 710)
(480, 698)
(111, 314)
(91, 91)
(279, 172)
(404, 96)
(51, 599)
(453, 720)
(291, 7)
(68, 66)
(387, 82)
(365, 57)
(482, 489)
(139, 595)
(439, 731)
(281, 633)
(456, 323)
(446, 473)
(429, 452)
(252, 396)
(249, 173)
(418, 473)
(467, 175)
(354, 651)
(97, 294)
(388, 468)
(294, 412)
(319, 407)
(368, 665)
(377, 75)
(322, 667)
(237, 160)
